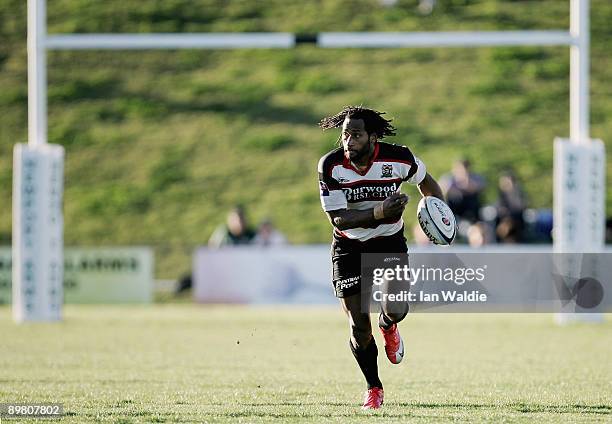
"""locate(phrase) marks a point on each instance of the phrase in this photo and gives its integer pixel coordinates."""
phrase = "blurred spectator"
(479, 234)
(267, 235)
(235, 231)
(508, 231)
(538, 225)
(608, 230)
(463, 189)
(425, 7)
(511, 205)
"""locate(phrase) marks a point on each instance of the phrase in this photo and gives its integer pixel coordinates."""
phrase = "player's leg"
(394, 345)
(393, 312)
(346, 266)
(362, 342)
(364, 349)
(389, 316)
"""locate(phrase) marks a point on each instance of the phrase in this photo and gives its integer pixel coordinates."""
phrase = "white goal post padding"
(579, 197)
(38, 256)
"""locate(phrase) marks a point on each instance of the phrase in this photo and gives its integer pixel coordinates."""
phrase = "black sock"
(384, 322)
(368, 362)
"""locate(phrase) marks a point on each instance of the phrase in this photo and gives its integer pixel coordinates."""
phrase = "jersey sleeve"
(412, 169)
(416, 172)
(330, 192)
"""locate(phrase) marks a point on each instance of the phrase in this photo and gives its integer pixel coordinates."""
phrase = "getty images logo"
(392, 259)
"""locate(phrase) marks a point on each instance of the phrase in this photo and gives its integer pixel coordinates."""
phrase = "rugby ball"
(437, 220)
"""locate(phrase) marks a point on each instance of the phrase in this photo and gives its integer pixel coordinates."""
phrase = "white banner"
(97, 275)
(37, 232)
(248, 274)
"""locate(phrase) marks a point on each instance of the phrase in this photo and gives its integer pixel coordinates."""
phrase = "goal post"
(577, 38)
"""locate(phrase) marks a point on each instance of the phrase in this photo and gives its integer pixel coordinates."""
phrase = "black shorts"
(346, 259)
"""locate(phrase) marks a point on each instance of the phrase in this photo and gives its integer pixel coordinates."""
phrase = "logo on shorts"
(323, 188)
(387, 171)
(347, 283)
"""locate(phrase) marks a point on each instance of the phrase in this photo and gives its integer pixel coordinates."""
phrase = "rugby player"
(360, 193)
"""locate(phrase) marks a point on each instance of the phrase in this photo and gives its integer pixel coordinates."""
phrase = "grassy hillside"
(160, 144)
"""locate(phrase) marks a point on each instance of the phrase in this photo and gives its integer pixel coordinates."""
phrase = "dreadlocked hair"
(373, 120)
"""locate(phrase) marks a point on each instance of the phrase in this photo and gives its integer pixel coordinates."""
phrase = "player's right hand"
(394, 205)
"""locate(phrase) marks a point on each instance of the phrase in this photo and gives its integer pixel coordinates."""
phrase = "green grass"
(187, 363)
(160, 144)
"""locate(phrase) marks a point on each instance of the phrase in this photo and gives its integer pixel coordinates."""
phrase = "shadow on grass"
(302, 410)
(351, 413)
(517, 406)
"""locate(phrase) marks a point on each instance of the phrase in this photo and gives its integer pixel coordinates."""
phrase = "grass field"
(185, 363)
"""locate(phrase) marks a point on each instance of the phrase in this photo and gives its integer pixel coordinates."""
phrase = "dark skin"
(359, 147)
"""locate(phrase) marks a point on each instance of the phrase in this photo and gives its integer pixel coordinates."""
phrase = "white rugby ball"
(437, 220)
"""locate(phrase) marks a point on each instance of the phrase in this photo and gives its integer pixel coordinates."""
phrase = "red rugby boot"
(394, 345)
(373, 398)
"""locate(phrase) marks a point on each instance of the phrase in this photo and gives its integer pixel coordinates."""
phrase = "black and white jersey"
(342, 186)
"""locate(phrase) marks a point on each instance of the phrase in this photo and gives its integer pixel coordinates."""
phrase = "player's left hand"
(394, 205)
